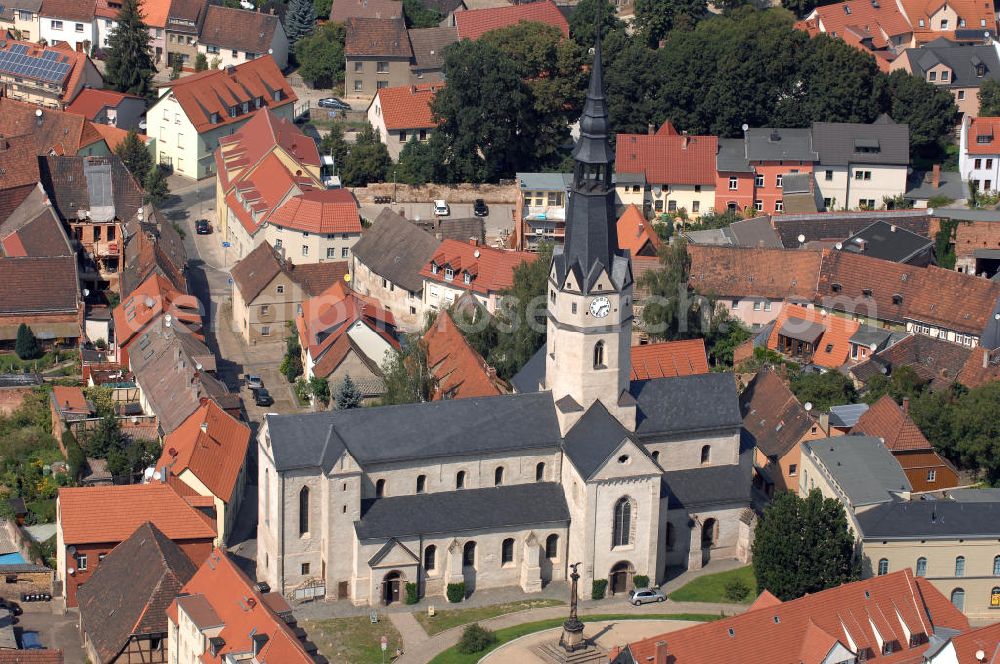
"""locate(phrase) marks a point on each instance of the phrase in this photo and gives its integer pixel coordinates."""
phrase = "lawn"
(712, 587)
(354, 640)
(453, 617)
(506, 635)
(9, 362)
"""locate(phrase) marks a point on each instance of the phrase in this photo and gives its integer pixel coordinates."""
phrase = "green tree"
(976, 430)
(803, 545)
(724, 337)
(334, 145)
(944, 243)
(320, 389)
(418, 163)
(929, 110)
(103, 399)
(176, 65)
(583, 21)
(157, 189)
(368, 160)
(632, 80)
(655, 18)
(300, 20)
(323, 8)
(665, 312)
(934, 414)
(407, 377)
(129, 66)
(135, 155)
(823, 390)
(105, 437)
(201, 62)
(904, 383)
(989, 98)
(321, 56)
(26, 345)
(347, 395)
(418, 15)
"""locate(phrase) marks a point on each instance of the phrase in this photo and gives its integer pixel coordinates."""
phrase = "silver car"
(645, 596)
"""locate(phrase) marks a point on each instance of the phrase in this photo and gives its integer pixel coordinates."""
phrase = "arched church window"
(498, 476)
(706, 453)
(304, 510)
(552, 546)
(507, 551)
(599, 362)
(430, 558)
(421, 483)
(540, 471)
(622, 531)
(380, 488)
(460, 480)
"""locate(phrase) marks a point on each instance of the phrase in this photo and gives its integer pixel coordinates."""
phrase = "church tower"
(590, 282)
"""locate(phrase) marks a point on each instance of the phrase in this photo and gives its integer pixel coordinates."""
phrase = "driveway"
(54, 631)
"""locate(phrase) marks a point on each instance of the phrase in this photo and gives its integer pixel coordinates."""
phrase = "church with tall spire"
(627, 478)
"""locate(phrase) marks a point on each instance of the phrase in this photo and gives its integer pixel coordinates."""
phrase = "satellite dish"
(476, 253)
(996, 316)
(157, 475)
(980, 655)
(71, 550)
(197, 365)
(745, 126)
(808, 406)
(38, 112)
(802, 239)
(147, 474)
(168, 318)
(416, 218)
(149, 302)
(839, 245)
(71, 570)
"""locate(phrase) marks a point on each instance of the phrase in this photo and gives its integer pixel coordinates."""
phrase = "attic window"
(258, 102)
(232, 111)
(468, 278)
(984, 139)
(277, 95)
(897, 299)
(623, 459)
(215, 118)
(829, 348)
(449, 273)
(867, 292)
(847, 9)
(434, 268)
(836, 288)
(732, 632)
(980, 70)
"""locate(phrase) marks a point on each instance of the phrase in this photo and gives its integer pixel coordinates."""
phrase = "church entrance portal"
(390, 588)
(620, 578)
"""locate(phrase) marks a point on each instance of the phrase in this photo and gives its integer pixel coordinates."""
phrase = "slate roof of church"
(594, 438)
(712, 485)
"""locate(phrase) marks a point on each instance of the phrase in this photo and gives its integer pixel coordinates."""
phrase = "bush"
(598, 589)
(475, 638)
(736, 590)
(26, 346)
(291, 366)
(456, 592)
(411, 593)
(640, 581)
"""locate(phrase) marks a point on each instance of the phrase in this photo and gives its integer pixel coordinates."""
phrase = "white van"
(441, 209)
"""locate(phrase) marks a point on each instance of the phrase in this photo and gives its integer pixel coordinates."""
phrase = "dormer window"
(215, 118)
(468, 278)
(246, 107)
(449, 274)
(921, 23)
(277, 95)
(258, 102)
(867, 292)
(836, 288)
(980, 70)
(897, 299)
(984, 139)
(434, 268)
(232, 111)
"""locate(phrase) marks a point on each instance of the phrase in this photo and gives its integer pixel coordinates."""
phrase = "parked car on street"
(480, 208)
(202, 227)
(441, 208)
(262, 397)
(639, 596)
(253, 381)
(333, 102)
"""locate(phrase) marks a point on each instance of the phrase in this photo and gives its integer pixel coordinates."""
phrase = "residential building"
(427, 45)
(235, 36)
(268, 291)
(469, 267)
(378, 55)
(269, 189)
(979, 152)
(888, 242)
(91, 521)
(958, 68)
(386, 264)
(459, 371)
(823, 230)
(778, 424)
(774, 153)
(54, 132)
(343, 333)
(154, 16)
(343, 10)
(735, 181)
(21, 19)
(809, 336)
(871, 27)
(541, 209)
(892, 618)
(924, 467)
(194, 112)
(46, 76)
(184, 21)
(962, 21)
(221, 616)
(860, 164)
(937, 362)
(636, 235)
(666, 171)
(153, 246)
(510, 489)
(923, 187)
(122, 606)
(474, 23)
(403, 114)
(71, 21)
(143, 307)
(108, 107)
(208, 453)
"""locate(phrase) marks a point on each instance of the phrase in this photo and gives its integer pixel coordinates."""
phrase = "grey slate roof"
(847, 415)
(862, 466)
(988, 495)
(531, 374)
(920, 187)
(494, 508)
(416, 431)
(887, 241)
(796, 183)
(960, 58)
(712, 236)
(777, 144)
(396, 249)
(714, 485)
(965, 214)
(868, 335)
(732, 156)
(837, 226)
(931, 519)
(544, 181)
(593, 439)
(837, 142)
(756, 232)
(686, 404)
(427, 45)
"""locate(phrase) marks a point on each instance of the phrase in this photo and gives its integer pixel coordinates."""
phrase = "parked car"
(639, 596)
(30, 641)
(441, 208)
(480, 208)
(202, 227)
(253, 381)
(333, 102)
(13, 607)
(262, 397)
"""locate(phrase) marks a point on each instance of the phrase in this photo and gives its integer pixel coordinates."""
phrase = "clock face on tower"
(600, 307)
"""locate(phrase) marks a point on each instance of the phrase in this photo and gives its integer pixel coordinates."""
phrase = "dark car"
(480, 209)
(262, 397)
(13, 607)
(333, 102)
(202, 227)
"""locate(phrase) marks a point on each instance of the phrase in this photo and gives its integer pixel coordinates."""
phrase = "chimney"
(651, 129)
(906, 405)
(491, 372)
(936, 176)
(986, 359)
(685, 139)
(662, 655)
(824, 423)
(474, 241)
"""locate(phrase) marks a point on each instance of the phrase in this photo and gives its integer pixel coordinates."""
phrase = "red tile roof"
(897, 605)
(635, 234)
(151, 299)
(981, 367)
(490, 270)
(377, 36)
(92, 101)
(221, 592)
(886, 420)
(833, 348)
(972, 235)
(408, 106)
(970, 12)
(212, 445)
(70, 10)
(459, 370)
(986, 639)
(56, 132)
(773, 416)
(745, 272)
(70, 399)
(114, 136)
(983, 127)
(216, 90)
(345, 9)
(668, 158)
(319, 211)
(107, 514)
(474, 23)
(881, 21)
(45, 656)
(668, 359)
